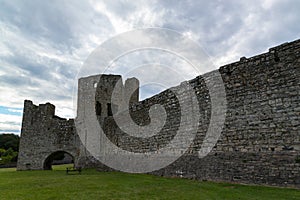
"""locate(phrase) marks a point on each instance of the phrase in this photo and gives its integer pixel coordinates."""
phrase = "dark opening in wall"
(58, 157)
(276, 57)
(109, 110)
(98, 108)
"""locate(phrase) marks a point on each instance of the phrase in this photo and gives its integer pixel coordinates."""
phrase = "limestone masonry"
(259, 144)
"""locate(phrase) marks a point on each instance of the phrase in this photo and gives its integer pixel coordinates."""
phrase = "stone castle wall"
(260, 141)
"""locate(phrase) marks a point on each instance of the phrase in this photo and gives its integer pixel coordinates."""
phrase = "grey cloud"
(17, 81)
(38, 20)
(59, 23)
(122, 8)
(222, 26)
(38, 66)
(283, 18)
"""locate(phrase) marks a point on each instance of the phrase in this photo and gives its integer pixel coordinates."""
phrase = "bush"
(8, 156)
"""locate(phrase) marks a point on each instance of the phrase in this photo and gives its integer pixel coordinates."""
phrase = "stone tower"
(43, 135)
(103, 95)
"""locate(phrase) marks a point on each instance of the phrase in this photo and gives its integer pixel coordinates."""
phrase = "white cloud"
(9, 118)
(10, 123)
(6, 127)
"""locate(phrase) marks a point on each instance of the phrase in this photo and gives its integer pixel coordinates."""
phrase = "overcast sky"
(43, 44)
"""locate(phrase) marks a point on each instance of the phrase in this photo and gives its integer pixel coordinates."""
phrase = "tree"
(9, 141)
(9, 146)
(2, 151)
(8, 156)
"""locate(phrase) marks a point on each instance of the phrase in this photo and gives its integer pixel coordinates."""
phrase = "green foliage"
(9, 145)
(2, 152)
(8, 156)
(116, 185)
(9, 141)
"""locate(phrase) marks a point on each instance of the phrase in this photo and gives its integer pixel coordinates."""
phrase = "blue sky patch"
(11, 111)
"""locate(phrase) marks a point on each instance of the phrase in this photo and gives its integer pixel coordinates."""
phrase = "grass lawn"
(116, 185)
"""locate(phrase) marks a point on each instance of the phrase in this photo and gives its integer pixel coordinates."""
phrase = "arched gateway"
(58, 157)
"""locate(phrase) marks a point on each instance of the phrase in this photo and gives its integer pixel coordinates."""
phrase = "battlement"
(285, 52)
(46, 109)
(42, 110)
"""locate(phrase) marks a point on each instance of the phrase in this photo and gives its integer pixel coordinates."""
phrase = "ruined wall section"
(42, 134)
(260, 141)
(95, 97)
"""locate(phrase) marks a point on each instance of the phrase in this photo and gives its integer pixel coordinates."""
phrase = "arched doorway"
(58, 157)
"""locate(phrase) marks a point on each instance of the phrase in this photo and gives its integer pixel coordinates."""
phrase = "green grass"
(116, 185)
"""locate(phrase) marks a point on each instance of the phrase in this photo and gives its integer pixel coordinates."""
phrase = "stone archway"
(55, 156)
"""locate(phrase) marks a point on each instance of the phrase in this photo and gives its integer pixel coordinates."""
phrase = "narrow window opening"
(276, 57)
(98, 108)
(109, 110)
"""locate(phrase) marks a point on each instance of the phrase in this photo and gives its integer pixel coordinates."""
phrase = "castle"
(260, 140)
